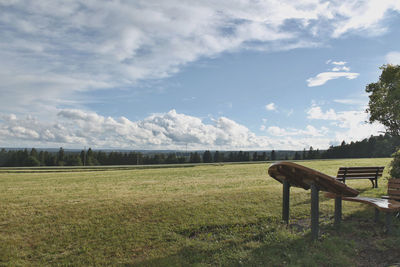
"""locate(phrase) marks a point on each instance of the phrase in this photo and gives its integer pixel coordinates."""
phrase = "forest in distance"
(372, 147)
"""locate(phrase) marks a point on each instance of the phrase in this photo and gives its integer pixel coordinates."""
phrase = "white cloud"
(76, 128)
(339, 70)
(51, 50)
(363, 16)
(308, 131)
(315, 112)
(352, 124)
(271, 106)
(73, 128)
(393, 58)
(352, 101)
(340, 63)
(323, 77)
(344, 68)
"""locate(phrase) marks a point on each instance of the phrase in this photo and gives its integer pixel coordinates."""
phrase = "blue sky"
(210, 75)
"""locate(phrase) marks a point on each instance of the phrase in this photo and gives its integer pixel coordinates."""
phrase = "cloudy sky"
(151, 74)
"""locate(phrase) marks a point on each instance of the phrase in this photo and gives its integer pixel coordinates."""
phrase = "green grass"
(200, 215)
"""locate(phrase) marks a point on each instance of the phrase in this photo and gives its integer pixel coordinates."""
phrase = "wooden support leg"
(388, 222)
(285, 204)
(314, 211)
(338, 211)
(376, 215)
(374, 183)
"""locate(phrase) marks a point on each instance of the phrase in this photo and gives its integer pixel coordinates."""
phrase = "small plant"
(395, 165)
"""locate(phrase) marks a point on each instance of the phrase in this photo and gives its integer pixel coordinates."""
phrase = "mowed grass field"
(227, 214)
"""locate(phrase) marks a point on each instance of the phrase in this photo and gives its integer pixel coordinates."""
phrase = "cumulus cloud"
(169, 130)
(271, 106)
(75, 128)
(53, 50)
(352, 123)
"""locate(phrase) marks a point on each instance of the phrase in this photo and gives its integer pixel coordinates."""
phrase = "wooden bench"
(389, 204)
(393, 189)
(371, 173)
(294, 175)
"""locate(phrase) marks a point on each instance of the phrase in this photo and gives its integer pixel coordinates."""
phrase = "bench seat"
(386, 205)
(389, 206)
(370, 173)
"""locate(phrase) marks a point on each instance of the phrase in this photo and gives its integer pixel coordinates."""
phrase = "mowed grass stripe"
(215, 214)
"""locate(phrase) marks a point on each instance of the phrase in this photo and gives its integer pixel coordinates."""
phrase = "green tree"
(304, 155)
(395, 165)
(255, 156)
(264, 156)
(31, 161)
(73, 160)
(384, 106)
(273, 155)
(171, 158)
(218, 156)
(207, 157)
(194, 158)
(311, 153)
(60, 157)
(384, 99)
(34, 153)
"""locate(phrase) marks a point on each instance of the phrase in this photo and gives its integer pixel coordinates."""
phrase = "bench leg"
(374, 183)
(388, 222)
(314, 211)
(376, 219)
(285, 204)
(338, 211)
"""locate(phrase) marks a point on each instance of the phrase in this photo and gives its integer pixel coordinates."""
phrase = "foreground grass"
(200, 215)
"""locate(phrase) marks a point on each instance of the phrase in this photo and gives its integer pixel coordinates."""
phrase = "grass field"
(200, 215)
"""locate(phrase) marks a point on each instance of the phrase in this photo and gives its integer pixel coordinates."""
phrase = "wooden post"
(314, 211)
(376, 215)
(286, 200)
(338, 211)
(388, 222)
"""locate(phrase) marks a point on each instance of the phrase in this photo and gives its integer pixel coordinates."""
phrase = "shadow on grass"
(358, 242)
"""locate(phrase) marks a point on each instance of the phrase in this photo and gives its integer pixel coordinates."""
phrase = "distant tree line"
(30, 158)
(375, 146)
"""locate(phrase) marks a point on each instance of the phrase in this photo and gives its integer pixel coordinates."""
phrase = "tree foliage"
(384, 99)
(395, 165)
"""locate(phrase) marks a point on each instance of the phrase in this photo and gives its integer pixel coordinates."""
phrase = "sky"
(218, 75)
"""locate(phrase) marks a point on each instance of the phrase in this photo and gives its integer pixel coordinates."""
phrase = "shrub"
(395, 165)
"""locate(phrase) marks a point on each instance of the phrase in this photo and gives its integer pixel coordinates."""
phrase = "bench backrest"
(394, 189)
(360, 172)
